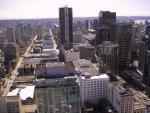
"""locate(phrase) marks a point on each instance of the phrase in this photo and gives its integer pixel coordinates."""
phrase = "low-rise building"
(10, 104)
(83, 66)
(120, 96)
(71, 55)
(54, 68)
(141, 103)
(25, 93)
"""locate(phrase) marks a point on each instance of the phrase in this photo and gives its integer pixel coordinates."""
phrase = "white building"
(93, 88)
(120, 96)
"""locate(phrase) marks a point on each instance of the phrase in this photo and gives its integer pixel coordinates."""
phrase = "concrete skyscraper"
(66, 25)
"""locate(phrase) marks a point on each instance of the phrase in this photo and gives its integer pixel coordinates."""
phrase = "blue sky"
(84, 8)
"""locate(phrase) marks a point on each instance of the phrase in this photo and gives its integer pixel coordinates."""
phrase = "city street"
(15, 71)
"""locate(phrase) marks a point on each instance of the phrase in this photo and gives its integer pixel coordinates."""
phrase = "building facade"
(57, 95)
(124, 39)
(146, 76)
(106, 18)
(108, 57)
(120, 97)
(10, 35)
(66, 25)
(93, 88)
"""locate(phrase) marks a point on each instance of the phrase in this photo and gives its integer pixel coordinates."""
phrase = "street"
(15, 71)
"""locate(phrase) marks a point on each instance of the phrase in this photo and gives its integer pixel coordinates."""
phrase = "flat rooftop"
(83, 66)
(24, 79)
(54, 64)
(103, 76)
(24, 91)
(29, 108)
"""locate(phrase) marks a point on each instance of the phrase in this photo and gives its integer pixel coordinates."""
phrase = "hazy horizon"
(38, 9)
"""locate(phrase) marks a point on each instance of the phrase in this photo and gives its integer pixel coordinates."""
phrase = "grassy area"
(13, 65)
(9, 72)
(22, 51)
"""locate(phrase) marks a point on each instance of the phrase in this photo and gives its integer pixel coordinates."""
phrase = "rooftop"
(53, 81)
(89, 36)
(24, 79)
(108, 44)
(29, 108)
(103, 76)
(83, 66)
(23, 91)
(54, 64)
(122, 88)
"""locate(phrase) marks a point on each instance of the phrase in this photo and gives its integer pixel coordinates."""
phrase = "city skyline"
(24, 9)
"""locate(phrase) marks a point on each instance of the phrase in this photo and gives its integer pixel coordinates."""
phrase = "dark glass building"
(146, 77)
(106, 18)
(66, 25)
(124, 39)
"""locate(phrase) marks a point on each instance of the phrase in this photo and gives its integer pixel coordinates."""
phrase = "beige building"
(71, 55)
(83, 66)
(87, 52)
(127, 100)
(141, 103)
(120, 96)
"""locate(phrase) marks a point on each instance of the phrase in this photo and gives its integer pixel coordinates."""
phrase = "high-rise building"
(102, 34)
(146, 76)
(95, 24)
(39, 31)
(10, 35)
(66, 25)
(57, 94)
(19, 32)
(106, 31)
(141, 58)
(2, 67)
(124, 39)
(87, 24)
(106, 18)
(147, 30)
(10, 51)
(108, 56)
(28, 33)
